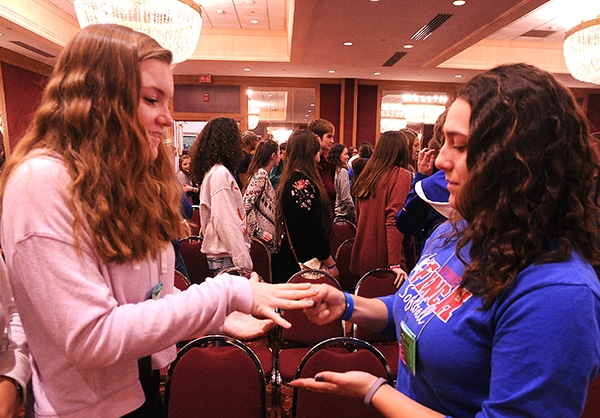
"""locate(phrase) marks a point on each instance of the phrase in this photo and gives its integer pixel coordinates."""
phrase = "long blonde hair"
(88, 116)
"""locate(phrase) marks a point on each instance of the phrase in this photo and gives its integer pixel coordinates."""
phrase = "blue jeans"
(219, 264)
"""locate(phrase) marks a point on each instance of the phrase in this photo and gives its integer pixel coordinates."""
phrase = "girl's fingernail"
(319, 378)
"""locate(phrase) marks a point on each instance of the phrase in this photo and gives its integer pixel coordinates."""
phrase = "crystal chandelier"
(582, 51)
(174, 24)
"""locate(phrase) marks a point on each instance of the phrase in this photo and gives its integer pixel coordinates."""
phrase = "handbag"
(312, 264)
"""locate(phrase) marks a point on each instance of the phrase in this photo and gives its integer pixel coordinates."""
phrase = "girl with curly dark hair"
(216, 154)
(501, 315)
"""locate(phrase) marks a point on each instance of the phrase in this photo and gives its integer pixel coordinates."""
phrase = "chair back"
(378, 282)
(194, 259)
(194, 222)
(342, 230)
(304, 332)
(180, 281)
(261, 259)
(343, 255)
(337, 355)
(217, 376)
(592, 403)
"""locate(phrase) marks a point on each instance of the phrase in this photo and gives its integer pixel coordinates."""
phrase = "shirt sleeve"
(255, 187)
(343, 190)
(14, 361)
(540, 339)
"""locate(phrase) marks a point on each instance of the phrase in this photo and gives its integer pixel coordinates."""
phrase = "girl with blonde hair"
(90, 260)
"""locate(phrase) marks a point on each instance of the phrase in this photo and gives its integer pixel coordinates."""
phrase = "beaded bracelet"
(373, 389)
(349, 310)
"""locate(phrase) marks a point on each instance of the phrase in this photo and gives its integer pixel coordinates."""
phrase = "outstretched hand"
(329, 305)
(246, 327)
(267, 298)
(354, 384)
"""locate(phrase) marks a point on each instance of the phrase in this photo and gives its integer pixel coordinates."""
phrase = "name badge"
(156, 291)
(408, 347)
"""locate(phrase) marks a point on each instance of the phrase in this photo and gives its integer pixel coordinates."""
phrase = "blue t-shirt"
(532, 354)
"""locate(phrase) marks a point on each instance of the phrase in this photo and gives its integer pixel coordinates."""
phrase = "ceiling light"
(247, 69)
(458, 2)
(376, 73)
(458, 76)
(175, 24)
(408, 46)
(348, 43)
(331, 71)
(220, 11)
(582, 51)
(254, 22)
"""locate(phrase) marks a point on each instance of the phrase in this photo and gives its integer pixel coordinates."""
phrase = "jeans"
(219, 264)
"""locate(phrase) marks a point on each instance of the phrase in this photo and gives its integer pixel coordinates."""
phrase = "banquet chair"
(194, 259)
(297, 340)
(375, 283)
(592, 403)
(194, 222)
(343, 255)
(339, 355)
(342, 230)
(261, 259)
(180, 281)
(216, 376)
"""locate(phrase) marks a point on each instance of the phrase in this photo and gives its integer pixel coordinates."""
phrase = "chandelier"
(174, 24)
(582, 51)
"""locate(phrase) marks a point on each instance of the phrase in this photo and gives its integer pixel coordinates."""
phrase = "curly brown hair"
(219, 142)
(89, 117)
(531, 166)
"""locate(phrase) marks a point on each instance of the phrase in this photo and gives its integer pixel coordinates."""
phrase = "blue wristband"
(349, 307)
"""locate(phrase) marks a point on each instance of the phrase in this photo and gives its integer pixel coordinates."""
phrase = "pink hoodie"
(87, 322)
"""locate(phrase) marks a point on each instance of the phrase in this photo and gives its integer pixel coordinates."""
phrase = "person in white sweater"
(216, 154)
(90, 260)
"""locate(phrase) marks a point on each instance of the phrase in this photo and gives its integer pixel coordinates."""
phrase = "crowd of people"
(498, 307)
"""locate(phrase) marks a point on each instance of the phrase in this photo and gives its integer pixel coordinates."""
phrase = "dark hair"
(333, 156)
(437, 140)
(392, 150)
(531, 167)
(219, 142)
(264, 150)
(302, 147)
(365, 150)
(182, 159)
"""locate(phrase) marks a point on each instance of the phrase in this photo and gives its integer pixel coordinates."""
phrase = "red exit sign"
(205, 78)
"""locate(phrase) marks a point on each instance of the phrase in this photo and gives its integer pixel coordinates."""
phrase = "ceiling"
(305, 38)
